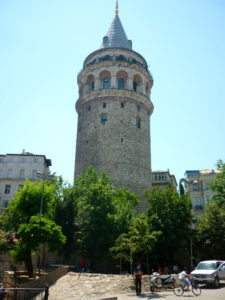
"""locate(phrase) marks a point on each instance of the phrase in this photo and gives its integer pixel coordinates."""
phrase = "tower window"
(106, 83)
(135, 86)
(104, 105)
(104, 119)
(138, 123)
(89, 107)
(122, 105)
(120, 83)
(121, 139)
(92, 85)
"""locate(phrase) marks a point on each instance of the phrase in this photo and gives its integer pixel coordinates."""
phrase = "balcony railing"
(198, 207)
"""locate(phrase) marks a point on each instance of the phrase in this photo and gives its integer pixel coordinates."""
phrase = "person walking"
(138, 276)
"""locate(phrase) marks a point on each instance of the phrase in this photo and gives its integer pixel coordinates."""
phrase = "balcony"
(198, 207)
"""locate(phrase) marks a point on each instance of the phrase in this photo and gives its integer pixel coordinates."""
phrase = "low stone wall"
(42, 282)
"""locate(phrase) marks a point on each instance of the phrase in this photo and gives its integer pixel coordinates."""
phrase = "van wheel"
(216, 283)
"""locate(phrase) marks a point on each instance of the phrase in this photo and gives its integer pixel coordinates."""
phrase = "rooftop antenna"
(117, 8)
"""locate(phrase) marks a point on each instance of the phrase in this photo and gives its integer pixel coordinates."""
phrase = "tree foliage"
(211, 227)
(22, 218)
(169, 213)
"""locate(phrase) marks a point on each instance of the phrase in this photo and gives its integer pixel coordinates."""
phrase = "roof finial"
(117, 8)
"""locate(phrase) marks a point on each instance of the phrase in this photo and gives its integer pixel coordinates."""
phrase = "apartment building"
(163, 179)
(15, 168)
(197, 183)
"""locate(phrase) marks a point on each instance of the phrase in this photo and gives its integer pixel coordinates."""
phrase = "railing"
(198, 207)
(25, 293)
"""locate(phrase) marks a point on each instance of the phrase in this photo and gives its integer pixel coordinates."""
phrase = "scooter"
(157, 282)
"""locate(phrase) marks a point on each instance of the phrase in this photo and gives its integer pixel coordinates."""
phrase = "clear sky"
(43, 44)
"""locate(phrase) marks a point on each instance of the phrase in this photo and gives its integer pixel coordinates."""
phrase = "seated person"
(183, 277)
(3, 293)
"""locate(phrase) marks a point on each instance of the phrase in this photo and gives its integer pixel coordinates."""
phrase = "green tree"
(211, 227)
(218, 185)
(143, 237)
(22, 217)
(66, 217)
(95, 210)
(102, 215)
(169, 213)
(211, 231)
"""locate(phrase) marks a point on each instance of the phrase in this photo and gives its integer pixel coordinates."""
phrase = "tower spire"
(117, 8)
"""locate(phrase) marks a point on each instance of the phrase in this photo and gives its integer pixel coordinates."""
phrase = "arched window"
(106, 83)
(136, 82)
(120, 83)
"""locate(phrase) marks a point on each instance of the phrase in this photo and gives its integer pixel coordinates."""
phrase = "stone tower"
(114, 109)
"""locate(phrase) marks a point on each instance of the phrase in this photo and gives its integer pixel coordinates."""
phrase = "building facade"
(197, 185)
(15, 168)
(163, 179)
(114, 109)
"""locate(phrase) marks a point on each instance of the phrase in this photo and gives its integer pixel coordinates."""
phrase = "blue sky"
(43, 44)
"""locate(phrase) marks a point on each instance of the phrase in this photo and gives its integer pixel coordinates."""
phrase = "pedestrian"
(82, 264)
(138, 276)
(159, 270)
(175, 269)
(3, 293)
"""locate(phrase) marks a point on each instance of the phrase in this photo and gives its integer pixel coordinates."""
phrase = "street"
(207, 294)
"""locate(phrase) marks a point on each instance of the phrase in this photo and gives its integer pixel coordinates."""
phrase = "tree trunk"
(28, 264)
(147, 263)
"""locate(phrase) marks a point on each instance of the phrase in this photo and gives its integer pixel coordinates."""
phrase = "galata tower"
(114, 109)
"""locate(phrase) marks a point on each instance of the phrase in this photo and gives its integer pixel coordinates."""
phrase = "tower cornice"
(117, 93)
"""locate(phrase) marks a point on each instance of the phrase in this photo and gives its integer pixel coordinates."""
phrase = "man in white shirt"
(183, 277)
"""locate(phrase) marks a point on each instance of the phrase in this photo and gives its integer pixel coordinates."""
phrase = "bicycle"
(179, 290)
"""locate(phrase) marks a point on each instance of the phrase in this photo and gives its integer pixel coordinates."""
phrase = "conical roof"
(116, 36)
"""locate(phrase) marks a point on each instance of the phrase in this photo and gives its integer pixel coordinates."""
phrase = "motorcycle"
(158, 282)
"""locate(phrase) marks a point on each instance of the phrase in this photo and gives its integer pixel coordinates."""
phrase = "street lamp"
(43, 177)
(189, 191)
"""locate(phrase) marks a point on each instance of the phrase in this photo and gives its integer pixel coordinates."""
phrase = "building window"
(36, 160)
(122, 105)
(9, 173)
(22, 173)
(207, 198)
(23, 160)
(135, 86)
(5, 203)
(206, 186)
(120, 83)
(1, 160)
(106, 83)
(195, 187)
(92, 85)
(34, 174)
(138, 123)
(89, 108)
(198, 203)
(104, 119)
(104, 105)
(20, 186)
(7, 188)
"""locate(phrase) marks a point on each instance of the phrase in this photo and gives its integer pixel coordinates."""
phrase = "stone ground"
(78, 286)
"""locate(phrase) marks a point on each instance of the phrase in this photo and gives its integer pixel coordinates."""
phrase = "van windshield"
(206, 266)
